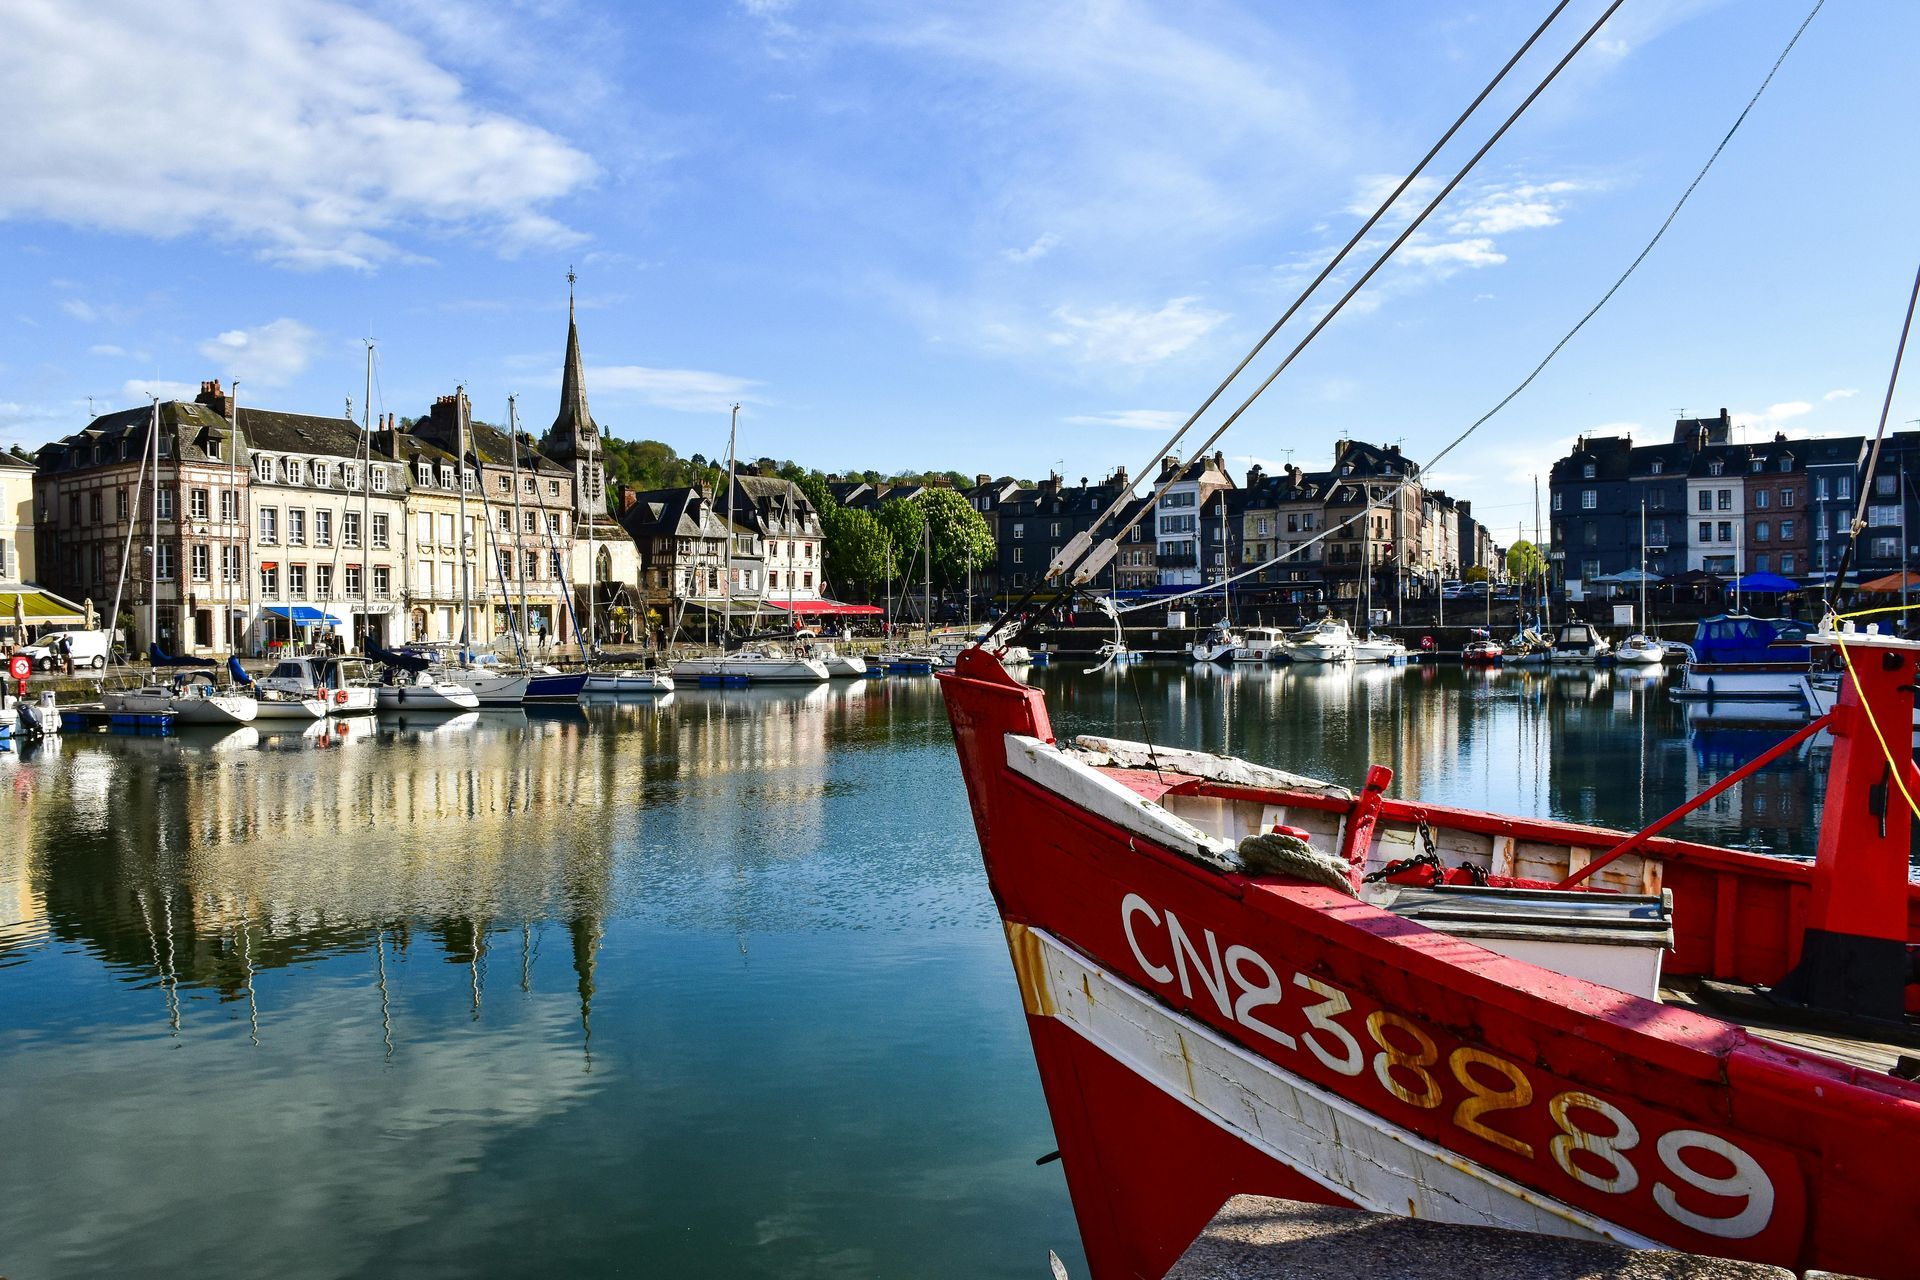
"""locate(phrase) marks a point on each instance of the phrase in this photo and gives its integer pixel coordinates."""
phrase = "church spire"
(573, 429)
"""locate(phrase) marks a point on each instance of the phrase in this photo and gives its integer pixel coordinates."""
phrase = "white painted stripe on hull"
(1341, 1146)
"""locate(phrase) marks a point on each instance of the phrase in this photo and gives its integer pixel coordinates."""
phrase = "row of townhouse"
(1295, 537)
(231, 529)
(1713, 505)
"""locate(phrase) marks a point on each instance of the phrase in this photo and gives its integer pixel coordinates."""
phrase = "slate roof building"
(96, 486)
(682, 543)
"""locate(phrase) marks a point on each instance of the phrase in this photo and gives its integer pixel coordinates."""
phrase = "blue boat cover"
(1737, 637)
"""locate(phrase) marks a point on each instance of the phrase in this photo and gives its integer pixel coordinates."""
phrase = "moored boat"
(1740, 657)
(422, 691)
(750, 666)
(342, 683)
(1240, 979)
(1578, 644)
(1482, 653)
(1328, 640)
(1220, 644)
(1639, 650)
(1262, 644)
(1378, 648)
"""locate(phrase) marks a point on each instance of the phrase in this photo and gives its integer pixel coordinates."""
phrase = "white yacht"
(840, 665)
(1263, 644)
(751, 666)
(207, 703)
(1328, 640)
(1578, 644)
(1379, 648)
(271, 704)
(1218, 645)
(423, 691)
(617, 683)
(1639, 650)
(341, 683)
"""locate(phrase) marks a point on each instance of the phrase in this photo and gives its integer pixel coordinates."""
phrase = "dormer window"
(264, 467)
(322, 474)
(166, 445)
(296, 474)
(422, 474)
(1757, 464)
(1586, 472)
(1786, 464)
(1716, 467)
(379, 477)
(349, 475)
(467, 479)
(1658, 466)
(446, 477)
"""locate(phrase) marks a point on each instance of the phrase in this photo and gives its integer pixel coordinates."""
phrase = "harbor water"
(705, 987)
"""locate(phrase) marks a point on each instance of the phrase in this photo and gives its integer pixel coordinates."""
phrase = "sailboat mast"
(926, 537)
(593, 569)
(153, 535)
(460, 447)
(519, 524)
(1643, 564)
(726, 523)
(1546, 573)
(366, 504)
(1226, 600)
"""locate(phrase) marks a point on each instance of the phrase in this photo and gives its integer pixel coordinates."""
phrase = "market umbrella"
(20, 616)
(1891, 583)
(1767, 583)
(93, 619)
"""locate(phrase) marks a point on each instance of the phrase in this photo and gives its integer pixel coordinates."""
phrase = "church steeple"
(574, 438)
(574, 425)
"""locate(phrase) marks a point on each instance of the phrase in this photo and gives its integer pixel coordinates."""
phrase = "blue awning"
(301, 615)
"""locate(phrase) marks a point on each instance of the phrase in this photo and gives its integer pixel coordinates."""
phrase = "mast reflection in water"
(710, 986)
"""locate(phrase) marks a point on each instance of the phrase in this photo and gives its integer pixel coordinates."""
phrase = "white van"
(89, 649)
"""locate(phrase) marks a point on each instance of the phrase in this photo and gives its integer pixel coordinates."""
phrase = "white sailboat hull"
(217, 708)
(755, 670)
(615, 683)
(290, 709)
(427, 697)
(497, 691)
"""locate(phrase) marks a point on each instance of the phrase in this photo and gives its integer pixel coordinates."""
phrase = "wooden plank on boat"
(1201, 764)
(1258, 1238)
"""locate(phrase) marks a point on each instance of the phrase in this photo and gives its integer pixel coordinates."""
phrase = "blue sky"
(996, 236)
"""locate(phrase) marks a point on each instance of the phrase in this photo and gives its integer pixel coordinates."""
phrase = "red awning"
(816, 607)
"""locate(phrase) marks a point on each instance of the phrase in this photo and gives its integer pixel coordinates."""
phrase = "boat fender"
(1276, 853)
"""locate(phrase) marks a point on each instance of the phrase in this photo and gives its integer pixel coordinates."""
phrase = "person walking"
(66, 653)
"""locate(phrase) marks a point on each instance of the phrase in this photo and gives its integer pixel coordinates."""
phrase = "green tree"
(961, 539)
(903, 523)
(856, 550)
(1524, 562)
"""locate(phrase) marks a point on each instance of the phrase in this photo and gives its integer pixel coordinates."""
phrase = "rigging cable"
(1592, 311)
(1373, 219)
(1076, 556)
(1873, 458)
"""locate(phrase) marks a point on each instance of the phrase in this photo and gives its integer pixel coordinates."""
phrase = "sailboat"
(762, 664)
(1641, 649)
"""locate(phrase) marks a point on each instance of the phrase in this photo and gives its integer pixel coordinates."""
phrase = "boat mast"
(153, 536)
(1643, 566)
(460, 447)
(366, 507)
(593, 570)
(1546, 577)
(519, 524)
(726, 523)
(1226, 600)
(926, 538)
(229, 581)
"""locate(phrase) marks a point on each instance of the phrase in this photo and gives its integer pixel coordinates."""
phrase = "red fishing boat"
(1243, 980)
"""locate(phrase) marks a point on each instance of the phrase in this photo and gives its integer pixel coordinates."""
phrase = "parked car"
(89, 649)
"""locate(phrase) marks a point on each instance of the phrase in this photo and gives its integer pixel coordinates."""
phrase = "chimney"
(221, 402)
(1220, 461)
(1169, 467)
(982, 480)
(1120, 477)
(627, 498)
(1255, 474)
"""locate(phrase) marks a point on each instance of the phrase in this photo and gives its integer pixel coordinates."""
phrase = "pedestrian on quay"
(66, 653)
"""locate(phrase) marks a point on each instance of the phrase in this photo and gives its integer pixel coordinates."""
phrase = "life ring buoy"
(340, 697)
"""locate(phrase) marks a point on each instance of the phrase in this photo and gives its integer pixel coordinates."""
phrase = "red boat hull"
(1201, 1033)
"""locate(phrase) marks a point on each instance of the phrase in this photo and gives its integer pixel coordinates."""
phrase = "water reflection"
(710, 981)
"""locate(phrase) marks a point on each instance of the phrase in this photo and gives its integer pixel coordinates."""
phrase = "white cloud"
(1841, 393)
(272, 354)
(79, 309)
(1040, 248)
(136, 390)
(105, 349)
(1131, 419)
(1519, 206)
(687, 390)
(312, 133)
(1446, 257)
(1131, 335)
(1774, 417)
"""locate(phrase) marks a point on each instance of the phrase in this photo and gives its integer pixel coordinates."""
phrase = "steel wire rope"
(1557, 347)
(1385, 256)
(1333, 263)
